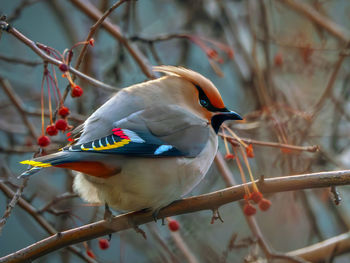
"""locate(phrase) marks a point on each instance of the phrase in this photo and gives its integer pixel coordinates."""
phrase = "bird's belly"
(153, 183)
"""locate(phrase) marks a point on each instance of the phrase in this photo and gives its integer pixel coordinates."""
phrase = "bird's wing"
(153, 132)
(166, 131)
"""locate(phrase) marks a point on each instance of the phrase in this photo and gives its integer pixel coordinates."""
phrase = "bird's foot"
(108, 215)
(216, 216)
(156, 211)
(140, 231)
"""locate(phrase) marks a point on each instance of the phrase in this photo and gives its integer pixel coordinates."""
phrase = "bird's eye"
(204, 103)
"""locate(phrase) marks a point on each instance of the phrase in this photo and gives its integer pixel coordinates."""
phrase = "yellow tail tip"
(35, 163)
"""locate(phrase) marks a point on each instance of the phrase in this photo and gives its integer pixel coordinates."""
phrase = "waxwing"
(148, 145)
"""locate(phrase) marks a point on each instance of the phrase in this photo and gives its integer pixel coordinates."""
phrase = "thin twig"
(20, 61)
(187, 205)
(57, 199)
(93, 30)
(320, 251)
(313, 148)
(17, 102)
(154, 232)
(46, 58)
(328, 91)
(41, 221)
(18, 10)
(12, 203)
(95, 14)
(319, 19)
(253, 225)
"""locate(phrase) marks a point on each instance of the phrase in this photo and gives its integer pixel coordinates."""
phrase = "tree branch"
(31, 44)
(187, 205)
(95, 14)
(320, 251)
(41, 221)
(319, 19)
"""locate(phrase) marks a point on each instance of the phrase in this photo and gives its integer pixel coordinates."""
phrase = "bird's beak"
(219, 118)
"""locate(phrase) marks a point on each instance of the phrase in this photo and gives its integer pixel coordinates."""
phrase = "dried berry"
(230, 54)
(43, 141)
(212, 53)
(250, 151)
(76, 91)
(173, 225)
(264, 204)
(256, 197)
(103, 243)
(249, 210)
(51, 130)
(90, 253)
(61, 125)
(63, 67)
(278, 60)
(63, 112)
(229, 156)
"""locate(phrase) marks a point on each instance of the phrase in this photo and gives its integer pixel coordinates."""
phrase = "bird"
(147, 146)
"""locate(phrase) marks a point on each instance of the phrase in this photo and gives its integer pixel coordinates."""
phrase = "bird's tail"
(94, 164)
(36, 164)
(31, 170)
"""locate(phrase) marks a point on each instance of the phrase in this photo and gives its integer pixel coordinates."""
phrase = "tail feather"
(29, 172)
(37, 164)
(88, 163)
(50, 160)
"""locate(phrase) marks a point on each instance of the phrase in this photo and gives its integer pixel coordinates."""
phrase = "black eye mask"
(205, 102)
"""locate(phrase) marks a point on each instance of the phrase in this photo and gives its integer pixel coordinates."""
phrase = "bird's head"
(200, 96)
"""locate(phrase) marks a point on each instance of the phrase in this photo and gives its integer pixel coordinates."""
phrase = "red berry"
(229, 156)
(90, 253)
(43, 141)
(230, 53)
(256, 197)
(103, 243)
(212, 53)
(63, 67)
(249, 150)
(264, 204)
(92, 42)
(306, 53)
(61, 125)
(278, 60)
(249, 210)
(51, 130)
(173, 225)
(63, 112)
(76, 91)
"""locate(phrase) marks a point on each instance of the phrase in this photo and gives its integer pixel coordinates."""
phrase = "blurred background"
(284, 69)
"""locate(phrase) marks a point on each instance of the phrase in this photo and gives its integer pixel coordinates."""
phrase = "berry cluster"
(52, 86)
(255, 198)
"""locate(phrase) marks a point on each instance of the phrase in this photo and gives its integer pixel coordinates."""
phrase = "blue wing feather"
(127, 142)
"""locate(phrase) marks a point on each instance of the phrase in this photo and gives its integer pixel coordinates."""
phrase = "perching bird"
(149, 145)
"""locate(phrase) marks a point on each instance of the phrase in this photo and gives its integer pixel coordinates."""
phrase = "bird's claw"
(216, 216)
(108, 215)
(140, 231)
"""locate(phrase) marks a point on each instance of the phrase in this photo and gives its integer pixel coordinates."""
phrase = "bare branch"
(187, 205)
(20, 61)
(320, 251)
(49, 59)
(91, 11)
(319, 19)
(93, 30)
(12, 203)
(17, 102)
(41, 221)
